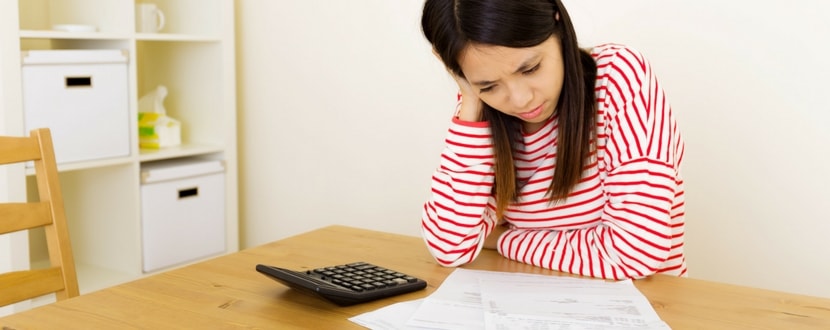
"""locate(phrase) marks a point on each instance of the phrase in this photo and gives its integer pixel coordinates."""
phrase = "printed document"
(474, 299)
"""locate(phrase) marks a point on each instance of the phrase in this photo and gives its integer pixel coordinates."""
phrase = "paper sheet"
(392, 317)
(474, 299)
(539, 303)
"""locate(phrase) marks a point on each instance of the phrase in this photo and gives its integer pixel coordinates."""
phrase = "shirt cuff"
(478, 124)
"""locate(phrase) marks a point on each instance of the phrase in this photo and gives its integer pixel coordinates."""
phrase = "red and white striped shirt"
(623, 220)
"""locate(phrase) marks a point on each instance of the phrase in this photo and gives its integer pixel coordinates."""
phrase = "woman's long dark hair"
(450, 25)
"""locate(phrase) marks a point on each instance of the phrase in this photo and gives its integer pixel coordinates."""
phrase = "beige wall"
(343, 112)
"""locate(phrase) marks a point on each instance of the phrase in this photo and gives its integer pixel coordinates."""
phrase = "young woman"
(558, 157)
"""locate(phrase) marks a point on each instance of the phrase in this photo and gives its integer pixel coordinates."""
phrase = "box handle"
(189, 192)
(78, 82)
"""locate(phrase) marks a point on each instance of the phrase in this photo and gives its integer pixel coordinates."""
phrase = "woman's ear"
(556, 16)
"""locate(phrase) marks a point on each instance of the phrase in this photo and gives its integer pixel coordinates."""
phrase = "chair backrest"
(60, 278)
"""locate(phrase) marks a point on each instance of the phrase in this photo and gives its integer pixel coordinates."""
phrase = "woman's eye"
(532, 70)
(486, 89)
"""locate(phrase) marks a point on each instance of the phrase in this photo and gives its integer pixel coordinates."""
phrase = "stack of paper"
(473, 299)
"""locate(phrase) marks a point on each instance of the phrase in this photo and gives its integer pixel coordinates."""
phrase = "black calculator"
(346, 284)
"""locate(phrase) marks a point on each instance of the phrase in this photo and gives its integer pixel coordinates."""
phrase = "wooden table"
(227, 293)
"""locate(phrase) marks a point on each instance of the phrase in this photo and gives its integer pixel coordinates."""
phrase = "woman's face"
(520, 82)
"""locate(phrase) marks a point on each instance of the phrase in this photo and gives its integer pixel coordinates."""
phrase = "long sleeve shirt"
(624, 219)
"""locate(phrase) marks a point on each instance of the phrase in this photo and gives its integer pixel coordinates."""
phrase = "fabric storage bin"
(83, 97)
(182, 212)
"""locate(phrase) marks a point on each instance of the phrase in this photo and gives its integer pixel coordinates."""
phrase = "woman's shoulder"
(608, 53)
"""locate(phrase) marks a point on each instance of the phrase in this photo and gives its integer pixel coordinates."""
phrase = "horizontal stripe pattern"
(624, 219)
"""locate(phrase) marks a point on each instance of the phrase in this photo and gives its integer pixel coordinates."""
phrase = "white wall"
(342, 115)
(343, 112)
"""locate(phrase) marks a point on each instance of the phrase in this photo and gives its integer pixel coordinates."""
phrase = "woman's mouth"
(532, 113)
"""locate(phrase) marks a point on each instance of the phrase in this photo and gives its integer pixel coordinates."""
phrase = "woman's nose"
(520, 96)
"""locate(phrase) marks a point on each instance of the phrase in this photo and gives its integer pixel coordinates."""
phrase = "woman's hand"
(470, 109)
(471, 106)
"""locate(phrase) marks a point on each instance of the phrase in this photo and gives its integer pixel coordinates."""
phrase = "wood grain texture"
(227, 293)
(47, 212)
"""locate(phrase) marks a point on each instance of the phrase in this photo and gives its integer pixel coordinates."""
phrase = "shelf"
(145, 155)
(92, 278)
(75, 166)
(178, 151)
(174, 37)
(50, 34)
(193, 56)
(93, 164)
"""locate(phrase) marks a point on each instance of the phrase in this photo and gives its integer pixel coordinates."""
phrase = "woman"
(558, 157)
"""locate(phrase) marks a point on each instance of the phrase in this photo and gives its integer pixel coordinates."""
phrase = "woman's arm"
(454, 220)
(634, 236)
(640, 229)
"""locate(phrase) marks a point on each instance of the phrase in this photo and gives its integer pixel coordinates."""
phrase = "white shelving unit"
(193, 56)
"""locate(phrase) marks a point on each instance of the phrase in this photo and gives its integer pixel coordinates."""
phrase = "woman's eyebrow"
(526, 65)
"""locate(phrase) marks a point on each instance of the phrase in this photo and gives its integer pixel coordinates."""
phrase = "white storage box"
(182, 212)
(82, 96)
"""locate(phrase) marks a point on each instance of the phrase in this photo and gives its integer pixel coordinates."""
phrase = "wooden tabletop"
(227, 293)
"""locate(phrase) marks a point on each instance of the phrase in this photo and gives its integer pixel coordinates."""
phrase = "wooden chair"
(48, 213)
